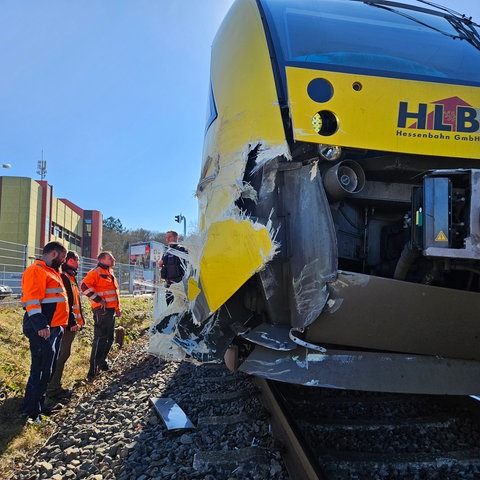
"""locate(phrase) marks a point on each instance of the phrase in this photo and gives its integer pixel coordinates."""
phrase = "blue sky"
(114, 92)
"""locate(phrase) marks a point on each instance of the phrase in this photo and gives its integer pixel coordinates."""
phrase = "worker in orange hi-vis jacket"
(101, 288)
(55, 391)
(46, 315)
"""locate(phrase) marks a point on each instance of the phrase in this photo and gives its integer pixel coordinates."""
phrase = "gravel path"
(109, 430)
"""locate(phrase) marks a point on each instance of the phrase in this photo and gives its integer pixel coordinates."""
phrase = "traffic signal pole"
(178, 219)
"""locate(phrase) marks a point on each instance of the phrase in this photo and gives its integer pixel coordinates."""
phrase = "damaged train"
(339, 200)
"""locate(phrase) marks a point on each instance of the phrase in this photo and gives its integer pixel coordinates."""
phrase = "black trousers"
(103, 334)
(44, 354)
(55, 384)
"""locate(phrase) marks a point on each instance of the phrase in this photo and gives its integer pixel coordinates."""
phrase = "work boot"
(59, 394)
(63, 394)
(105, 367)
(50, 405)
(47, 410)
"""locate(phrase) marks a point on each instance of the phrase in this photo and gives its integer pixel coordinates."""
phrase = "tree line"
(117, 239)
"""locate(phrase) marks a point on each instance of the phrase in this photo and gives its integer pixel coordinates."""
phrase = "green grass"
(17, 439)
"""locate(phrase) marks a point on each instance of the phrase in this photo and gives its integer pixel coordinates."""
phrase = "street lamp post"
(179, 218)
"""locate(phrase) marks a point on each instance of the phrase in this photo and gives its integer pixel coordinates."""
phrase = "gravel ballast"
(110, 430)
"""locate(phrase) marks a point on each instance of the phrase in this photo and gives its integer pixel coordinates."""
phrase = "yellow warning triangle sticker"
(441, 237)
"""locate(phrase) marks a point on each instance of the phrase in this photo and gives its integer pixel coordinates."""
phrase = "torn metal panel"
(233, 252)
(178, 336)
(267, 153)
(203, 343)
(171, 413)
(271, 336)
(312, 249)
(248, 192)
(165, 318)
(161, 340)
(374, 371)
(209, 173)
(233, 246)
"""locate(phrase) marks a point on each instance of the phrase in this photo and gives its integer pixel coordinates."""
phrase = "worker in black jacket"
(55, 391)
(172, 268)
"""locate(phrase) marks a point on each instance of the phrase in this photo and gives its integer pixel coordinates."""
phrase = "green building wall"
(20, 210)
(21, 216)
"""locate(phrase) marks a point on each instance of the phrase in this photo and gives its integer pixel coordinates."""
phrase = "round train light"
(325, 123)
(320, 90)
(343, 179)
(332, 153)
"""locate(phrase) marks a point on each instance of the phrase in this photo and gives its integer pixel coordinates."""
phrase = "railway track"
(110, 429)
(339, 434)
(113, 431)
(229, 409)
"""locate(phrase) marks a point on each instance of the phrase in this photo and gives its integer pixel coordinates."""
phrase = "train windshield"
(376, 38)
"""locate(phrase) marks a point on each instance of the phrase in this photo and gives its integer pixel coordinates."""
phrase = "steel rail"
(300, 465)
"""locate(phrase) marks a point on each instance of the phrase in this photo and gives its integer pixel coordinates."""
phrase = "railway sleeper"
(233, 461)
(348, 465)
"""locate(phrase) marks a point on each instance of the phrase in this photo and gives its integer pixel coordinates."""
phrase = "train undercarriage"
(375, 283)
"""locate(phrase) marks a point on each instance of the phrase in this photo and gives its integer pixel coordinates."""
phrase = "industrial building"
(31, 215)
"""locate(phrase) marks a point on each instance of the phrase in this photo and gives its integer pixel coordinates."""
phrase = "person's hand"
(44, 333)
(75, 328)
(118, 312)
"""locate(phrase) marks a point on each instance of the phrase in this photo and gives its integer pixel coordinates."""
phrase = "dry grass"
(17, 438)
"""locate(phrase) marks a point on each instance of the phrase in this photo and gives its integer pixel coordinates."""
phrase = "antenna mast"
(42, 168)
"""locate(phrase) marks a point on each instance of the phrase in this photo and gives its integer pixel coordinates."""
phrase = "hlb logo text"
(448, 115)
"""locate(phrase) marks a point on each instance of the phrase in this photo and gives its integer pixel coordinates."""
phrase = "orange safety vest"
(101, 282)
(43, 292)
(77, 312)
